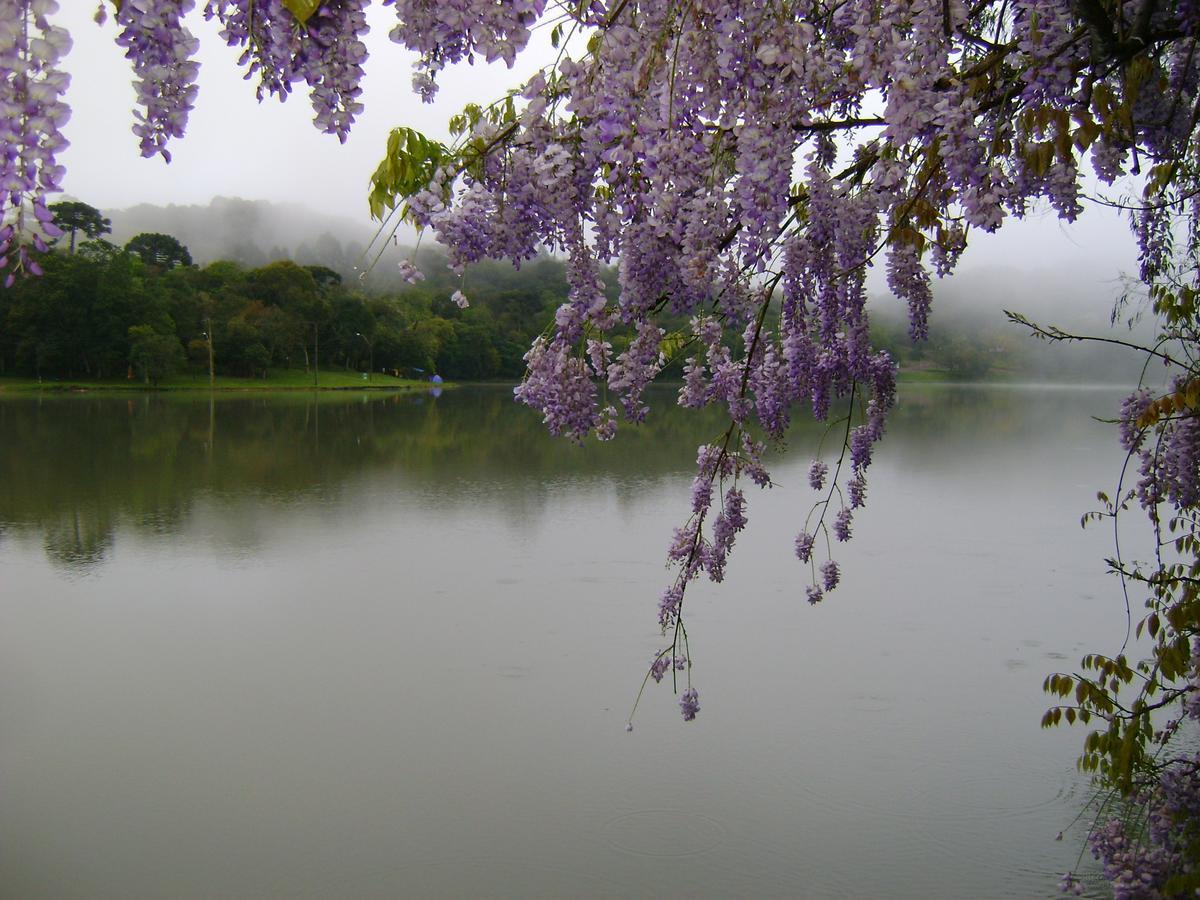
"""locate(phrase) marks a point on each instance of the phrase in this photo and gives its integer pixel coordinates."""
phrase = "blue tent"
(436, 379)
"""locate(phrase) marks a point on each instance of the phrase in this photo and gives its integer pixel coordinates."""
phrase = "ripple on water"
(959, 820)
(663, 833)
(497, 878)
(871, 702)
(961, 815)
(929, 791)
(1003, 791)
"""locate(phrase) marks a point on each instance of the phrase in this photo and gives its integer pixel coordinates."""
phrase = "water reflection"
(384, 646)
(77, 469)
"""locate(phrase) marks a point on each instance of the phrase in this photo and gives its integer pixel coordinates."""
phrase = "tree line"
(144, 310)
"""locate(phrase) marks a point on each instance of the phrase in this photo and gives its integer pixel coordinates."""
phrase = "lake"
(376, 645)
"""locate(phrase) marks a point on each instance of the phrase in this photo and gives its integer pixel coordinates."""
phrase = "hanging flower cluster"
(742, 163)
(32, 113)
(1141, 866)
(324, 49)
(450, 31)
(161, 50)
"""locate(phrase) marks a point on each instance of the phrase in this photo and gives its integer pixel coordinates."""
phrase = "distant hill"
(256, 232)
(967, 324)
(251, 232)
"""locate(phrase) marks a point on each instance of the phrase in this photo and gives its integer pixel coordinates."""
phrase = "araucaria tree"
(73, 217)
(742, 163)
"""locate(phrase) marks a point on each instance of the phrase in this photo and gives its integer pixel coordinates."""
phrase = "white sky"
(239, 148)
(236, 146)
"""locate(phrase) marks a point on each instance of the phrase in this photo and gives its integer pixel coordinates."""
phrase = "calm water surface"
(382, 646)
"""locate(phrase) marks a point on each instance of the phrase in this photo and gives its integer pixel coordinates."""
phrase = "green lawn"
(930, 375)
(922, 375)
(284, 380)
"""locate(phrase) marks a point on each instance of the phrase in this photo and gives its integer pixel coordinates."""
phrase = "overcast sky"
(237, 147)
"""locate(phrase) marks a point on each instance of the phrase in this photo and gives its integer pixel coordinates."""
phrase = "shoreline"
(230, 385)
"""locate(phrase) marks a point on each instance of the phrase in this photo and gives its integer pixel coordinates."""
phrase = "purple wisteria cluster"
(325, 51)
(445, 32)
(1143, 853)
(742, 164)
(32, 113)
(1168, 453)
(161, 50)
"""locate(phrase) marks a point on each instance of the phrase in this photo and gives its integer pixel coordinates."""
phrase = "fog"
(250, 232)
(969, 312)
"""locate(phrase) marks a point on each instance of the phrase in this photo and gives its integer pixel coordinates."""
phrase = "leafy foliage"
(76, 320)
(301, 9)
(1139, 746)
(152, 355)
(161, 250)
(408, 165)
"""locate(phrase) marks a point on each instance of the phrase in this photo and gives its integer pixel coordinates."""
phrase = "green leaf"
(407, 168)
(302, 9)
(1182, 884)
(673, 343)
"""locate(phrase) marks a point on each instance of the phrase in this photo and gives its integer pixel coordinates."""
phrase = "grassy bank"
(341, 380)
(924, 374)
(287, 380)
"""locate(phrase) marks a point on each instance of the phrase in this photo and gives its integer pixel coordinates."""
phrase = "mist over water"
(366, 645)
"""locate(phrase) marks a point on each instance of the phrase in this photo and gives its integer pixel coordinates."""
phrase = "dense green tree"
(324, 276)
(153, 355)
(294, 289)
(409, 350)
(242, 349)
(219, 274)
(99, 250)
(160, 250)
(279, 331)
(468, 353)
